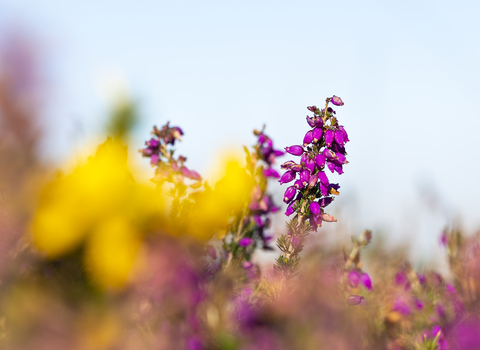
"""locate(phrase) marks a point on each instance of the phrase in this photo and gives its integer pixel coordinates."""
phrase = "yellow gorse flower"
(98, 207)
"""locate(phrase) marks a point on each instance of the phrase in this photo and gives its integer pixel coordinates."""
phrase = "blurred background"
(407, 72)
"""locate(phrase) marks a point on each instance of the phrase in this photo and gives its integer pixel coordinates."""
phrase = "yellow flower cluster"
(102, 211)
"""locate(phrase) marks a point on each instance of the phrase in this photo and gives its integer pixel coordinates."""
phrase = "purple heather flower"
(339, 169)
(296, 167)
(338, 136)
(258, 220)
(366, 281)
(261, 139)
(331, 166)
(315, 208)
(308, 138)
(310, 165)
(325, 201)
(194, 175)
(329, 154)
(320, 160)
(330, 110)
(245, 242)
(290, 209)
(247, 265)
(318, 122)
(298, 185)
(421, 278)
(323, 178)
(270, 172)
(337, 101)
(419, 304)
(313, 181)
(315, 222)
(288, 164)
(324, 189)
(317, 134)
(329, 138)
(154, 159)
(313, 109)
(153, 144)
(147, 152)
(278, 153)
(289, 194)
(345, 135)
(354, 278)
(310, 121)
(355, 300)
(287, 177)
(341, 158)
(294, 150)
(305, 176)
(186, 172)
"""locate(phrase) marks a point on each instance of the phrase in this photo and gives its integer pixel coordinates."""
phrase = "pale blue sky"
(407, 71)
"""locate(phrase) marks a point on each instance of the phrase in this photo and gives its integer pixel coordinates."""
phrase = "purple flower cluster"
(323, 146)
(162, 157)
(267, 153)
(261, 204)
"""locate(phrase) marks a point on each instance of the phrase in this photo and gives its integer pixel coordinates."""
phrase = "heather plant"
(323, 147)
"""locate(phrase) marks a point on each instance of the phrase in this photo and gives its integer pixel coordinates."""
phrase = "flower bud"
(328, 218)
(308, 138)
(154, 159)
(287, 177)
(318, 122)
(329, 138)
(310, 165)
(261, 139)
(320, 160)
(355, 300)
(245, 242)
(317, 134)
(289, 194)
(194, 175)
(313, 181)
(270, 172)
(310, 121)
(305, 176)
(366, 281)
(338, 136)
(325, 201)
(345, 135)
(287, 165)
(186, 172)
(146, 152)
(354, 278)
(298, 185)
(323, 178)
(337, 101)
(295, 150)
(290, 209)
(315, 208)
(153, 144)
(297, 168)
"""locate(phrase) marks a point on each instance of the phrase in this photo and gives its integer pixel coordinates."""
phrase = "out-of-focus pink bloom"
(354, 278)
(245, 242)
(366, 281)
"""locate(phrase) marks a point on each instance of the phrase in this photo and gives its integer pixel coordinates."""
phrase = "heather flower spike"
(323, 147)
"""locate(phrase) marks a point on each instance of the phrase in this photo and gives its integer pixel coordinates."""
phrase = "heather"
(92, 258)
